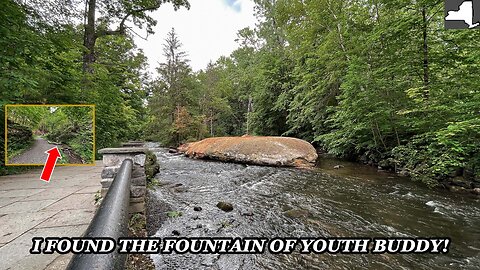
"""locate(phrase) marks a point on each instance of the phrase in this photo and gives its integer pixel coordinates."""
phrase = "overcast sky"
(208, 30)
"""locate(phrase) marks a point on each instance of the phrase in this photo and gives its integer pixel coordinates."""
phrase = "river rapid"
(354, 201)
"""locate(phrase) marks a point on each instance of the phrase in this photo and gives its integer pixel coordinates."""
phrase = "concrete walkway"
(31, 208)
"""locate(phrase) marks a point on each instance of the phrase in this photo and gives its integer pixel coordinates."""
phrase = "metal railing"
(111, 220)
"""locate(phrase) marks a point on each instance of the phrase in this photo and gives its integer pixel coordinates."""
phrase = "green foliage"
(379, 81)
(430, 157)
(174, 214)
(137, 10)
(68, 125)
(98, 198)
(20, 138)
(117, 90)
(41, 63)
(30, 116)
(151, 166)
(226, 223)
(173, 108)
(153, 183)
(72, 126)
(137, 226)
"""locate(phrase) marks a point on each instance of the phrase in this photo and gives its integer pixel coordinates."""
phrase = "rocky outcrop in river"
(273, 151)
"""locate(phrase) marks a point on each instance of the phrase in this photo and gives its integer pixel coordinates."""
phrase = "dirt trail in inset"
(34, 155)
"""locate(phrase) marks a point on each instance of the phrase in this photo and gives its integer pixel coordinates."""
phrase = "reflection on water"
(354, 201)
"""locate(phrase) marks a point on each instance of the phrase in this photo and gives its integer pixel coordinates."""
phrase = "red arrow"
(53, 156)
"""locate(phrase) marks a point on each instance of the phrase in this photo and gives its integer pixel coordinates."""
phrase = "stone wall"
(112, 160)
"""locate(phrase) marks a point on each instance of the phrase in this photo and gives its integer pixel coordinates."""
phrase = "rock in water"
(247, 213)
(272, 151)
(225, 206)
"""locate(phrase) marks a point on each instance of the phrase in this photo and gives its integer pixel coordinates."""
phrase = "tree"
(175, 71)
(41, 63)
(377, 81)
(172, 102)
(118, 13)
(213, 103)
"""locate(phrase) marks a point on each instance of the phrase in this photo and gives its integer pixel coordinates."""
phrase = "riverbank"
(344, 168)
(293, 152)
(460, 181)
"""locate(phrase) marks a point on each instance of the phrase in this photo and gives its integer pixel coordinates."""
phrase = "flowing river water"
(354, 201)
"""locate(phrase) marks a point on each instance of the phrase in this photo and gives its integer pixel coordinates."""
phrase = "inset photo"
(32, 130)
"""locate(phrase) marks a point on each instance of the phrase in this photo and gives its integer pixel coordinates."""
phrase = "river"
(354, 201)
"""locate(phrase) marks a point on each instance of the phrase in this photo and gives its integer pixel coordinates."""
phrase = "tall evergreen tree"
(172, 100)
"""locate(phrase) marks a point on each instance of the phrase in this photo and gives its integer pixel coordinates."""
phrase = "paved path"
(34, 155)
(30, 207)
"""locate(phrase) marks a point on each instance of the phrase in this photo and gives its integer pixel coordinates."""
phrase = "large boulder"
(273, 151)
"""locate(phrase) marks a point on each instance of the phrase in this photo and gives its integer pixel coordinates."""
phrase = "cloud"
(234, 4)
(208, 31)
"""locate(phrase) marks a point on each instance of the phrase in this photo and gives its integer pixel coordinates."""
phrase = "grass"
(10, 170)
(153, 183)
(98, 197)
(80, 143)
(226, 224)
(82, 148)
(137, 228)
(63, 159)
(137, 223)
(174, 214)
(18, 149)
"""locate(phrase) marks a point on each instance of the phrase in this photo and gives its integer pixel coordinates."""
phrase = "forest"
(69, 128)
(376, 81)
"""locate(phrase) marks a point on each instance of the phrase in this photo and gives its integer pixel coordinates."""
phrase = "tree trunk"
(211, 124)
(249, 110)
(89, 37)
(426, 77)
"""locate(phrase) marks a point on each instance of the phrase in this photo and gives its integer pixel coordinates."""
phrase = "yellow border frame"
(51, 105)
